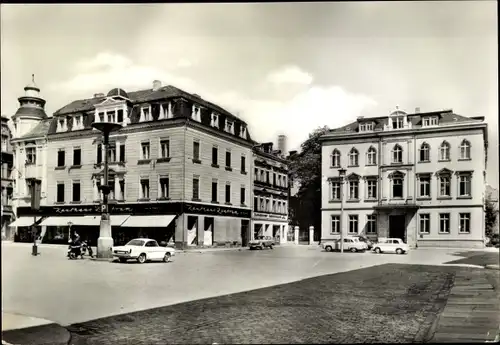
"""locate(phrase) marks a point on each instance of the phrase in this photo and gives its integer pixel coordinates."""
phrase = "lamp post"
(105, 240)
(70, 224)
(342, 173)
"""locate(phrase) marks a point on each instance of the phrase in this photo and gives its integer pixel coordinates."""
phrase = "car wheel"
(328, 248)
(142, 258)
(399, 251)
(261, 247)
(271, 246)
(377, 250)
(122, 260)
(354, 250)
(167, 256)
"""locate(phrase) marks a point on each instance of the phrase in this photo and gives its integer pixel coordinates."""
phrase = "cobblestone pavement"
(388, 303)
(479, 258)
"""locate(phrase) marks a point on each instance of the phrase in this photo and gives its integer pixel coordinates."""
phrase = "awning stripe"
(148, 221)
(24, 221)
(61, 221)
(116, 220)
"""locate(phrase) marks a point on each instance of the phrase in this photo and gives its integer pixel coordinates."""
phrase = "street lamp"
(342, 173)
(70, 224)
(105, 240)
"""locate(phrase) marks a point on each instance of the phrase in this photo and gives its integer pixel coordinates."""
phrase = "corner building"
(419, 177)
(178, 169)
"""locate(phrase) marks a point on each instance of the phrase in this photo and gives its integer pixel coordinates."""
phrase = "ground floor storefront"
(273, 225)
(7, 233)
(417, 226)
(182, 224)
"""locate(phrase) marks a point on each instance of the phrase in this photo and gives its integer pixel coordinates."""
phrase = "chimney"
(196, 95)
(360, 118)
(98, 95)
(156, 85)
(282, 143)
(417, 110)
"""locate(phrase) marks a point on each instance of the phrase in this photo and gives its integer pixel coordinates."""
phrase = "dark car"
(368, 242)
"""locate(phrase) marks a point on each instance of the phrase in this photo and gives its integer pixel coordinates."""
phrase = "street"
(64, 291)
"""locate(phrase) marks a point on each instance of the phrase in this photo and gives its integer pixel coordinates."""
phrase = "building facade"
(7, 213)
(270, 193)
(177, 157)
(419, 177)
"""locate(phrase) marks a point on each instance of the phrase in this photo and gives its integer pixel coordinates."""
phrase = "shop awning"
(24, 221)
(148, 221)
(116, 220)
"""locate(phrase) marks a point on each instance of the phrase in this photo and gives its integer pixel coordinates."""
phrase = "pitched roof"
(40, 130)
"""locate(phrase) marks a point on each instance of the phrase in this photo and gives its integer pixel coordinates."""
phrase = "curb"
(51, 334)
(493, 267)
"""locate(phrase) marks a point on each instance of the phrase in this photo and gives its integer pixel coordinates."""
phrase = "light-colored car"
(391, 245)
(261, 242)
(352, 244)
(142, 250)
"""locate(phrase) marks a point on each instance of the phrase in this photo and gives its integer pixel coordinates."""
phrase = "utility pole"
(36, 191)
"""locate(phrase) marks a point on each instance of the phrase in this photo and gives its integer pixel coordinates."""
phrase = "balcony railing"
(408, 202)
(30, 171)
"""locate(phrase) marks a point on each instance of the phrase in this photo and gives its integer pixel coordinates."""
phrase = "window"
(397, 187)
(77, 156)
(196, 150)
(98, 186)
(353, 158)
(425, 186)
(243, 164)
(144, 192)
(30, 155)
(164, 148)
(372, 188)
(61, 125)
(77, 122)
(112, 153)
(425, 223)
(335, 159)
(464, 185)
(196, 188)
(335, 225)
(397, 154)
(434, 121)
(242, 195)
(164, 187)
(426, 121)
(146, 114)
(255, 204)
(444, 223)
(444, 151)
(122, 153)
(464, 223)
(425, 153)
(371, 156)
(76, 191)
(60, 192)
(465, 150)
(99, 153)
(228, 159)
(145, 150)
(444, 185)
(120, 116)
(274, 178)
(335, 190)
(229, 127)
(397, 122)
(61, 157)
(121, 183)
(214, 120)
(353, 224)
(196, 113)
(228, 193)
(101, 117)
(111, 116)
(215, 156)
(353, 190)
(243, 132)
(214, 191)
(366, 127)
(371, 224)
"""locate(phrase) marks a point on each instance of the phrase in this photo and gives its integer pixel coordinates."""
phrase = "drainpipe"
(184, 220)
(415, 185)
(379, 192)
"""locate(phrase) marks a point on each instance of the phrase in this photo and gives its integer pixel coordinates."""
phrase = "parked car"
(142, 250)
(261, 242)
(368, 242)
(391, 245)
(350, 243)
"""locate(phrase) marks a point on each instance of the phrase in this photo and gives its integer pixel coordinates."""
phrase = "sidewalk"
(22, 329)
(472, 312)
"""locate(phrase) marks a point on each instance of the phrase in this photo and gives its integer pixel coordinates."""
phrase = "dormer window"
(61, 125)
(111, 116)
(77, 122)
(397, 122)
(101, 117)
(146, 114)
(165, 111)
(196, 113)
(243, 132)
(430, 121)
(229, 127)
(366, 127)
(214, 120)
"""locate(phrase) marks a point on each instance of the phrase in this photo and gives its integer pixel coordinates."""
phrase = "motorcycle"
(75, 251)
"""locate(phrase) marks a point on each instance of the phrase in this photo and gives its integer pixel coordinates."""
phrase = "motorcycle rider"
(76, 245)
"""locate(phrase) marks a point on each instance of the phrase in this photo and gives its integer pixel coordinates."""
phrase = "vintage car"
(142, 250)
(391, 245)
(261, 242)
(352, 244)
(365, 239)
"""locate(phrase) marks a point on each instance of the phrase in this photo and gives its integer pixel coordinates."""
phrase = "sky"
(285, 68)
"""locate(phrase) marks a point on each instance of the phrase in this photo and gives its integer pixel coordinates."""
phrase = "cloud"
(290, 75)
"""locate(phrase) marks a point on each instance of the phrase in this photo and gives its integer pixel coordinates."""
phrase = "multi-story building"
(7, 181)
(179, 169)
(270, 193)
(419, 177)
(30, 123)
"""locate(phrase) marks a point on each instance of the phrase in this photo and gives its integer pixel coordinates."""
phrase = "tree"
(490, 216)
(305, 168)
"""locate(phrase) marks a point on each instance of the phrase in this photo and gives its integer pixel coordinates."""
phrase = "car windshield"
(138, 243)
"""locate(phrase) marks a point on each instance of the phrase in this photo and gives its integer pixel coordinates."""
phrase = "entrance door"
(244, 232)
(397, 227)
